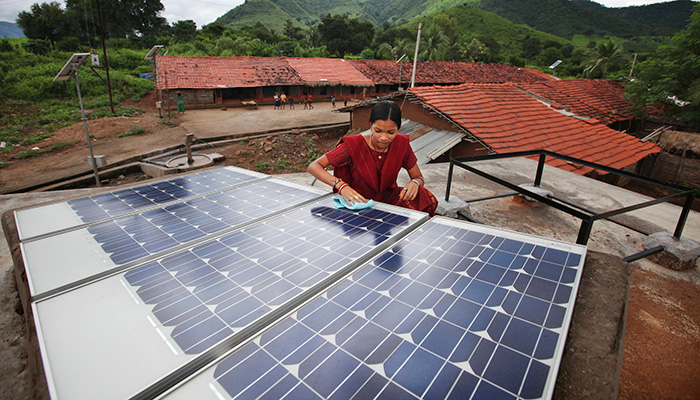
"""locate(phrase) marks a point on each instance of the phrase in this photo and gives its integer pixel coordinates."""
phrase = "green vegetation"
(135, 130)
(670, 78)
(262, 166)
(53, 147)
(282, 165)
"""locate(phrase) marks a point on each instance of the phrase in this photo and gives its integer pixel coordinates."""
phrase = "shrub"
(262, 166)
(135, 130)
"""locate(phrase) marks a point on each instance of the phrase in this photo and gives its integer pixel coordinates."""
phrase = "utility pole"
(633, 62)
(415, 56)
(104, 50)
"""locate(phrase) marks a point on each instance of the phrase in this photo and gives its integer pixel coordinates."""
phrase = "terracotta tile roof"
(507, 120)
(590, 98)
(386, 72)
(213, 72)
(319, 71)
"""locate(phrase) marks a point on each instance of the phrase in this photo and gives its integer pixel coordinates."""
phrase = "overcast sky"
(204, 12)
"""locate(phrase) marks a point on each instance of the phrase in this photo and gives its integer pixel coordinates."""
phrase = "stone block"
(450, 208)
(679, 254)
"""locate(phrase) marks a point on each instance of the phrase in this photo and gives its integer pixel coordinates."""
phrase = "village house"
(505, 118)
(229, 81)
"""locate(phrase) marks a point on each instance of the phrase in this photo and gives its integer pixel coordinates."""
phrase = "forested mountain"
(672, 15)
(566, 18)
(10, 30)
(563, 18)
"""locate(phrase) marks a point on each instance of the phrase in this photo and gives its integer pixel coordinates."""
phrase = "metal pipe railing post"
(540, 170)
(449, 180)
(684, 215)
(585, 231)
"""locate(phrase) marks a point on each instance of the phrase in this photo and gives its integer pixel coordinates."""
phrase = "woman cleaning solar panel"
(366, 166)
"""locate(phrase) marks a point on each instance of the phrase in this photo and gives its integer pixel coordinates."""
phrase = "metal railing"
(587, 217)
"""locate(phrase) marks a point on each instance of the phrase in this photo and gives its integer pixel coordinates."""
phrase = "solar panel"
(72, 256)
(45, 219)
(167, 313)
(455, 311)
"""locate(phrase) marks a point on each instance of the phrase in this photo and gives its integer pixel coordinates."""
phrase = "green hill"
(566, 18)
(563, 18)
(475, 22)
(671, 15)
(10, 30)
(274, 13)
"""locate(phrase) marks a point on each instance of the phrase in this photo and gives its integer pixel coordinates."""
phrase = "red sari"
(373, 174)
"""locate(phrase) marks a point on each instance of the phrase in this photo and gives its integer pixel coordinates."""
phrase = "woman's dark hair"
(384, 110)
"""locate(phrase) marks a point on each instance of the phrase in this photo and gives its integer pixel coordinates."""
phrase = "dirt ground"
(662, 342)
(280, 154)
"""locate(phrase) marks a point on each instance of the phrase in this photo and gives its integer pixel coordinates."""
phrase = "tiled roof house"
(212, 81)
(505, 119)
(588, 98)
(386, 72)
(224, 72)
(328, 71)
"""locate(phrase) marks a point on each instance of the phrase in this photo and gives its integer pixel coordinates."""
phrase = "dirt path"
(208, 123)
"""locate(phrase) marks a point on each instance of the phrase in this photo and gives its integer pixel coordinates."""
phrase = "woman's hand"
(409, 192)
(351, 195)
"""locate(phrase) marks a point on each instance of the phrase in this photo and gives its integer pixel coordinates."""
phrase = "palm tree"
(607, 53)
(314, 37)
(434, 44)
(403, 46)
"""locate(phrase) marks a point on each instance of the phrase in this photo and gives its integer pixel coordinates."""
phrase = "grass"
(262, 166)
(135, 130)
(282, 164)
(313, 152)
(3, 164)
(29, 153)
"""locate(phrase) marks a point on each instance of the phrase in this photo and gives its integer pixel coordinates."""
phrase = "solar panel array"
(453, 311)
(37, 221)
(241, 286)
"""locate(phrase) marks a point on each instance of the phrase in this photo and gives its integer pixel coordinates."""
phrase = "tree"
(476, 51)
(531, 47)
(343, 35)
(670, 79)
(403, 46)
(184, 31)
(448, 26)
(607, 54)
(213, 30)
(434, 44)
(291, 31)
(48, 21)
(120, 18)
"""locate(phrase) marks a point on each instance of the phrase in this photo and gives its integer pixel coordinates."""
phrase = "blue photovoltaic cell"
(106, 205)
(133, 237)
(447, 313)
(215, 289)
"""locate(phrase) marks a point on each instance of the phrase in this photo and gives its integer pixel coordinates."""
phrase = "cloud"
(200, 11)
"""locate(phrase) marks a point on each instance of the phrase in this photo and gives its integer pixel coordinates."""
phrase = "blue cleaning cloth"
(340, 202)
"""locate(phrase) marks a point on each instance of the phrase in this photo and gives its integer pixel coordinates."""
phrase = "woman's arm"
(317, 168)
(410, 190)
